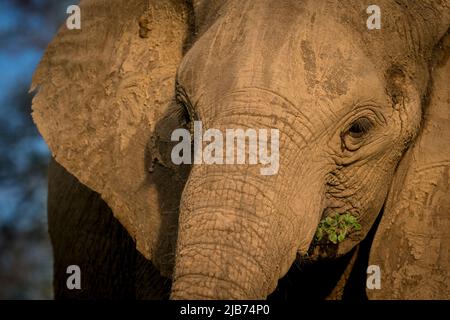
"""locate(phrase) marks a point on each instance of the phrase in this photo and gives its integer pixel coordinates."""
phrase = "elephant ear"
(102, 95)
(412, 242)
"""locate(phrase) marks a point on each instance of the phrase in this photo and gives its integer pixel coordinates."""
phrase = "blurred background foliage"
(26, 28)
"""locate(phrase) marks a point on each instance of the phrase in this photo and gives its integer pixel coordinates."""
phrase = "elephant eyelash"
(185, 113)
(181, 114)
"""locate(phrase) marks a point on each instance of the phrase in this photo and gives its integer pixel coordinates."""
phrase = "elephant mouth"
(336, 234)
(328, 269)
(307, 273)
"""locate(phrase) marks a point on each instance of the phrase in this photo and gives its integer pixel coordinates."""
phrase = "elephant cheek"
(232, 243)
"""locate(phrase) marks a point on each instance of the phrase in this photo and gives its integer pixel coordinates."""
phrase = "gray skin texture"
(106, 106)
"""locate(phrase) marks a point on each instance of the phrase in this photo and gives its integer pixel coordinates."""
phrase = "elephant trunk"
(232, 242)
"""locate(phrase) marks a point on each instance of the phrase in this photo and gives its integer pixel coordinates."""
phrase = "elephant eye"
(360, 127)
(186, 111)
(353, 137)
(183, 114)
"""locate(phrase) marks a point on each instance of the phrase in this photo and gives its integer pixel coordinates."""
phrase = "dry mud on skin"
(364, 126)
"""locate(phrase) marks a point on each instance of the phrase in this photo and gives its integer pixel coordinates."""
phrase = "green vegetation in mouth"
(336, 228)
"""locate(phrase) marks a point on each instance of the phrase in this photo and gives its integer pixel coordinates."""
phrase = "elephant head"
(362, 117)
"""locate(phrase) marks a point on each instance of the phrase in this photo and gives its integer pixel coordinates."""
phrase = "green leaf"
(319, 234)
(341, 236)
(350, 219)
(333, 238)
(336, 227)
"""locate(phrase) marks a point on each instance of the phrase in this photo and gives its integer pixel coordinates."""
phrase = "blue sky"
(15, 67)
(25, 30)
(17, 59)
(26, 27)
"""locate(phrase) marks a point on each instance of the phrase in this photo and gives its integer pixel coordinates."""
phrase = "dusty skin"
(364, 129)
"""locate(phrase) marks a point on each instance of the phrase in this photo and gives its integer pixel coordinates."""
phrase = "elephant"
(363, 120)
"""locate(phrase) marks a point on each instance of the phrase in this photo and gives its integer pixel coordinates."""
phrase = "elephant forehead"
(296, 57)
